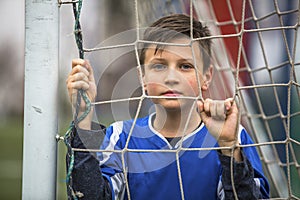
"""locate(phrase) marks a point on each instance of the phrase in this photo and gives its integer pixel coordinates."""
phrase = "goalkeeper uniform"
(162, 168)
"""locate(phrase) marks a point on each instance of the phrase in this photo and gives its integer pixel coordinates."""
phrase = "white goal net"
(255, 55)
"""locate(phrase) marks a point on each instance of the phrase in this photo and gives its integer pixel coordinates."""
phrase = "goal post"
(40, 99)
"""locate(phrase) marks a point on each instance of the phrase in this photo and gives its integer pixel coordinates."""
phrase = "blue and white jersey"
(151, 167)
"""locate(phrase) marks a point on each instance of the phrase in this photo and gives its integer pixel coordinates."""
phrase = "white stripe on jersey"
(117, 130)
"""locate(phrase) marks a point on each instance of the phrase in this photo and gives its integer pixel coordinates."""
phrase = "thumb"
(203, 115)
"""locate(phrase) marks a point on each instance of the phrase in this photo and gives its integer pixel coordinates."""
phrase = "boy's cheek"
(152, 88)
(194, 86)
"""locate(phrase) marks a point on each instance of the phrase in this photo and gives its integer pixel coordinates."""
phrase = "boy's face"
(171, 73)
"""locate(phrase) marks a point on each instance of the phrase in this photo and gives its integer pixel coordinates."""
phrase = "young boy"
(153, 167)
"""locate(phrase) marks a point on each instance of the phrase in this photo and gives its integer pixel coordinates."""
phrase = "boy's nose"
(172, 77)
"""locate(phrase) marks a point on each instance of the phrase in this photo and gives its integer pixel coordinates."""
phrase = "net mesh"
(255, 57)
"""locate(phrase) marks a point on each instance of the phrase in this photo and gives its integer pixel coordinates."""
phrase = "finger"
(213, 109)
(207, 105)
(220, 110)
(78, 85)
(71, 82)
(203, 115)
(84, 66)
(90, 70)
(78, 77)
(77, 61)
(200, 106)
(80, 69)
(229, 103)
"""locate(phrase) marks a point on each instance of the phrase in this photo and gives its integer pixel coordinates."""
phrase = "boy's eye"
(158, 66)
(186, 66)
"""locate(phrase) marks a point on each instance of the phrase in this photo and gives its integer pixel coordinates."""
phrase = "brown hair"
(175, 26)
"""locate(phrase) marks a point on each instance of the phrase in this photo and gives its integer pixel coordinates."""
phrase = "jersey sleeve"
(111, 161)
(86, 180)
(249, 179)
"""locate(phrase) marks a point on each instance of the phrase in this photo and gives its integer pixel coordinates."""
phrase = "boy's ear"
(207, 77)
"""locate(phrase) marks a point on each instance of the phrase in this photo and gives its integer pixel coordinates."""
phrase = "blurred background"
(110, 22)
(11, 97)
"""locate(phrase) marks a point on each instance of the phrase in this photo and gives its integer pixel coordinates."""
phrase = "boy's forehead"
(182, 48)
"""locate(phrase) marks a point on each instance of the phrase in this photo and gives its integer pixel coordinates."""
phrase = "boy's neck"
(172, 123)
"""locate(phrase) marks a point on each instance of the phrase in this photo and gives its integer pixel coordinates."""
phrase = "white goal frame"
(40, 99)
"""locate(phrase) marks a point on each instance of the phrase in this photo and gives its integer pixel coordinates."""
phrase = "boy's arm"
(87, 181)
(247, 182)
(221, 119)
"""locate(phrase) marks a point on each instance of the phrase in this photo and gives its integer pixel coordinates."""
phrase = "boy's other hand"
(221, 119)
(81, 77)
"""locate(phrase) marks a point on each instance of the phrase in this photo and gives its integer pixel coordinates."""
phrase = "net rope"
(81, 94)
(292, 85)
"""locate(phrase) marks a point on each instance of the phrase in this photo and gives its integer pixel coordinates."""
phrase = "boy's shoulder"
(243, 136)
(142, 121)
(126, 125)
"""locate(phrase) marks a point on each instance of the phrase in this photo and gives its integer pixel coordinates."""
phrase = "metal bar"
(40, 99)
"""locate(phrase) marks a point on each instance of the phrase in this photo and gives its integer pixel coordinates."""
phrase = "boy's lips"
(171, 93)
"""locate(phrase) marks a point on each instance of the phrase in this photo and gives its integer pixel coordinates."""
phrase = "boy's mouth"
(172, 93)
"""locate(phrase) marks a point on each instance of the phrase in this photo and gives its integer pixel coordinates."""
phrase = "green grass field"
(11, 145)
(11, 136)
